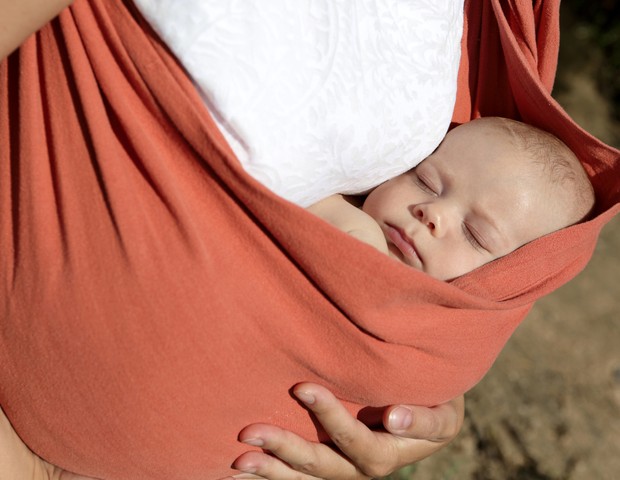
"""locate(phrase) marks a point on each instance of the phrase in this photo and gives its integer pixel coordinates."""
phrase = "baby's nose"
(433, 217)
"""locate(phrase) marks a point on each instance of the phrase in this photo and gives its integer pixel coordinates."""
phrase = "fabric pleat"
(155, 299)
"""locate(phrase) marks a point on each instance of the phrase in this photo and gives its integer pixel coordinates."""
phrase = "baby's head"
(492, 186)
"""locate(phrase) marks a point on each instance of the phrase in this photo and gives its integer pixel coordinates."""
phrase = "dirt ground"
(550, 407)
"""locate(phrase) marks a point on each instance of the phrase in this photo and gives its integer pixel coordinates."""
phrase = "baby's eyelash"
(471, 238)
(424, 185)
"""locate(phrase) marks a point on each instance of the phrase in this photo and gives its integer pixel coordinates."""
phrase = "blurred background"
(550, 407)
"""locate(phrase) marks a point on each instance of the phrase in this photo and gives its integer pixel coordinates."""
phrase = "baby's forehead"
(497, 157)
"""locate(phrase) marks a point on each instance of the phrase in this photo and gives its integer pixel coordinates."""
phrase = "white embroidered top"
(320, 96)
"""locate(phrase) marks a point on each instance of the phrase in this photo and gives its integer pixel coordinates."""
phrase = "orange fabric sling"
(155, 299)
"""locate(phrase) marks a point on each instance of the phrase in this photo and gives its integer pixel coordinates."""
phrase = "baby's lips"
(404, 244)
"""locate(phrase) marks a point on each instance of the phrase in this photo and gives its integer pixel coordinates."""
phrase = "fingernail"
(255, 442)
(400, 418)
(306, 397)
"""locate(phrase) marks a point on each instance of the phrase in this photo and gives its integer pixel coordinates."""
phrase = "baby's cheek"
(456, 264)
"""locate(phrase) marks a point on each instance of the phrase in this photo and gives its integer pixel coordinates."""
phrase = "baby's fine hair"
(556, 160)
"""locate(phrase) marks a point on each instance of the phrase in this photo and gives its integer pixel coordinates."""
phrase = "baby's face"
(470, 202)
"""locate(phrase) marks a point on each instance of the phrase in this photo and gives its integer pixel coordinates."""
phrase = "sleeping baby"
(491, 186)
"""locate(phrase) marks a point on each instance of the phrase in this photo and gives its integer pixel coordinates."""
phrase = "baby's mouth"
(404, 244)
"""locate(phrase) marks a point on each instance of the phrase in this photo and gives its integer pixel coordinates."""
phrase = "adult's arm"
(412, 433)
(20, 18)
(18, 462)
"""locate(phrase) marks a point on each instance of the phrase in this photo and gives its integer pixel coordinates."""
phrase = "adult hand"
(17, 461)
(412, 433)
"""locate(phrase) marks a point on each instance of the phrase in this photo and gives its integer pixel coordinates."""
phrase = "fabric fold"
(156, 299)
